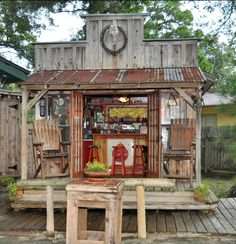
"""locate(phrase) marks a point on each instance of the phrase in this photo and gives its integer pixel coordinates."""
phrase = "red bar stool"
(139, 160)
(93, 153)
(119, 155)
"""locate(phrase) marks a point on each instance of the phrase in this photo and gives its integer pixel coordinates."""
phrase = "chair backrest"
(182, 133)
(48, 133)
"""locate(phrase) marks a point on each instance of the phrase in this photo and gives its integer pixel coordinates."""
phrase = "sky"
(67, 24)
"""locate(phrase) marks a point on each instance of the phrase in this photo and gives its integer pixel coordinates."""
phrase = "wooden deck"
(219, 222)
(179, 197)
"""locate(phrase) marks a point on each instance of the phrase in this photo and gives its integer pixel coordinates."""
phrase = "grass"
(219, 184)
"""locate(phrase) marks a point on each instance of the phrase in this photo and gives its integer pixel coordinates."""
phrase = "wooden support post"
(198, 146)
(50, 211)
(141, 212)
(24, 135)
(82, 220)
(71, 221)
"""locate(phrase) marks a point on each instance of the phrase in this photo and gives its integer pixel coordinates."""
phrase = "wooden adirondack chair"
(180, 154)
(48, 147)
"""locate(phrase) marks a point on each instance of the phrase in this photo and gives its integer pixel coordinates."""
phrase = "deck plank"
(170, 224)
(227, 214)
(125, 220)
(188, 222)
(180, 186)
(229, 228)
(180, 226)
(225, 202)
(232, 202)
(61, 225)
(151, 221)
(97, 219)
(197, 222)
(161, 222)
(28, 217)
(39, 223)
(220, 229)
(132, 226)
(207, 223)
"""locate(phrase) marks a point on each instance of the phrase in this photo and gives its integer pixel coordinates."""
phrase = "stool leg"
(122, 162)
(134, 162)
(113, 162)
(97, 154)
(90, 155)
(142, 159)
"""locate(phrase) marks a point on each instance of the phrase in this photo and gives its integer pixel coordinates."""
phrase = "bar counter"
(107, 141)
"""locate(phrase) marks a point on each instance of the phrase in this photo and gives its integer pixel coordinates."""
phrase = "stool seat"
(119, 155)
(139, 160)
(93, 153)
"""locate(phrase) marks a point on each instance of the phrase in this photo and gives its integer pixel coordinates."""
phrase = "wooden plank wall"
(9, 135)
(138, 53)
(214, 156)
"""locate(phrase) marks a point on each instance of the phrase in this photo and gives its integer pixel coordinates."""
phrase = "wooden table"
(83, 194)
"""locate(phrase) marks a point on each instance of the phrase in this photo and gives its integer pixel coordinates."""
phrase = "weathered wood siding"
(60, 56)
(138, 53)
(9, 135)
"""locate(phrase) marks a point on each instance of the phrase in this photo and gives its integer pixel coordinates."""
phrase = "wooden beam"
(168, 183)
(186, 97)
(24, 135)
(111, 86)
(142, 234)
(198, 142)
(36, 98)
(50, 211)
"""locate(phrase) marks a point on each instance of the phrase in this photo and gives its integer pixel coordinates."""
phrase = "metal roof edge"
(8, 62)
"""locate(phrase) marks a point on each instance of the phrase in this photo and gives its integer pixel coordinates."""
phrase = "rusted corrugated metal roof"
(121, 76)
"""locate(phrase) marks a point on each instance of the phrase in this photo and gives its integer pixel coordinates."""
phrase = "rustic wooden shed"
(161, 76)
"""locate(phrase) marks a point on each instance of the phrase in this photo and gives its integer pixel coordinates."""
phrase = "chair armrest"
(38, 143)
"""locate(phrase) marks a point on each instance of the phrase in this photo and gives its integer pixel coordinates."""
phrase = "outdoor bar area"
(118, 99)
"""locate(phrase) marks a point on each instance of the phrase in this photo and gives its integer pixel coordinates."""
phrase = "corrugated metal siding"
(187, 74)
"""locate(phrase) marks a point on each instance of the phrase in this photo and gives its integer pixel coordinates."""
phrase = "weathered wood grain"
(137, 53)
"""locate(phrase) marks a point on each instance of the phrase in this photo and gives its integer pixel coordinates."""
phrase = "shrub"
(97, 166)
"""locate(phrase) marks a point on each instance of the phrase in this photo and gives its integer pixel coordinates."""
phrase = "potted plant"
(202, 193)
(97, 169)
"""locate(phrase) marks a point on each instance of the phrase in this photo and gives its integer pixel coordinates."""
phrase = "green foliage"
(30, 115)
(21, 21)
(12, 190)
(5, 181)
(167, 20)
(204, 190)
(121, 6)
(97, 166)
(219, 185)
(11, 87)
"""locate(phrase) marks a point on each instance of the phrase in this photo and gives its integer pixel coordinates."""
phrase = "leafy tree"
(226, 23)
(20, 23)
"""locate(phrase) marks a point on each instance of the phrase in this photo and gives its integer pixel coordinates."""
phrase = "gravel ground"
(152, 239)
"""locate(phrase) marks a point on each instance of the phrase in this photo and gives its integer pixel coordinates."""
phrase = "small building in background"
(218, 110)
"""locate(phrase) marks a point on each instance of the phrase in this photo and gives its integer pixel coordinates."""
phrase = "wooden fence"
(215, 144)
(9, 133)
